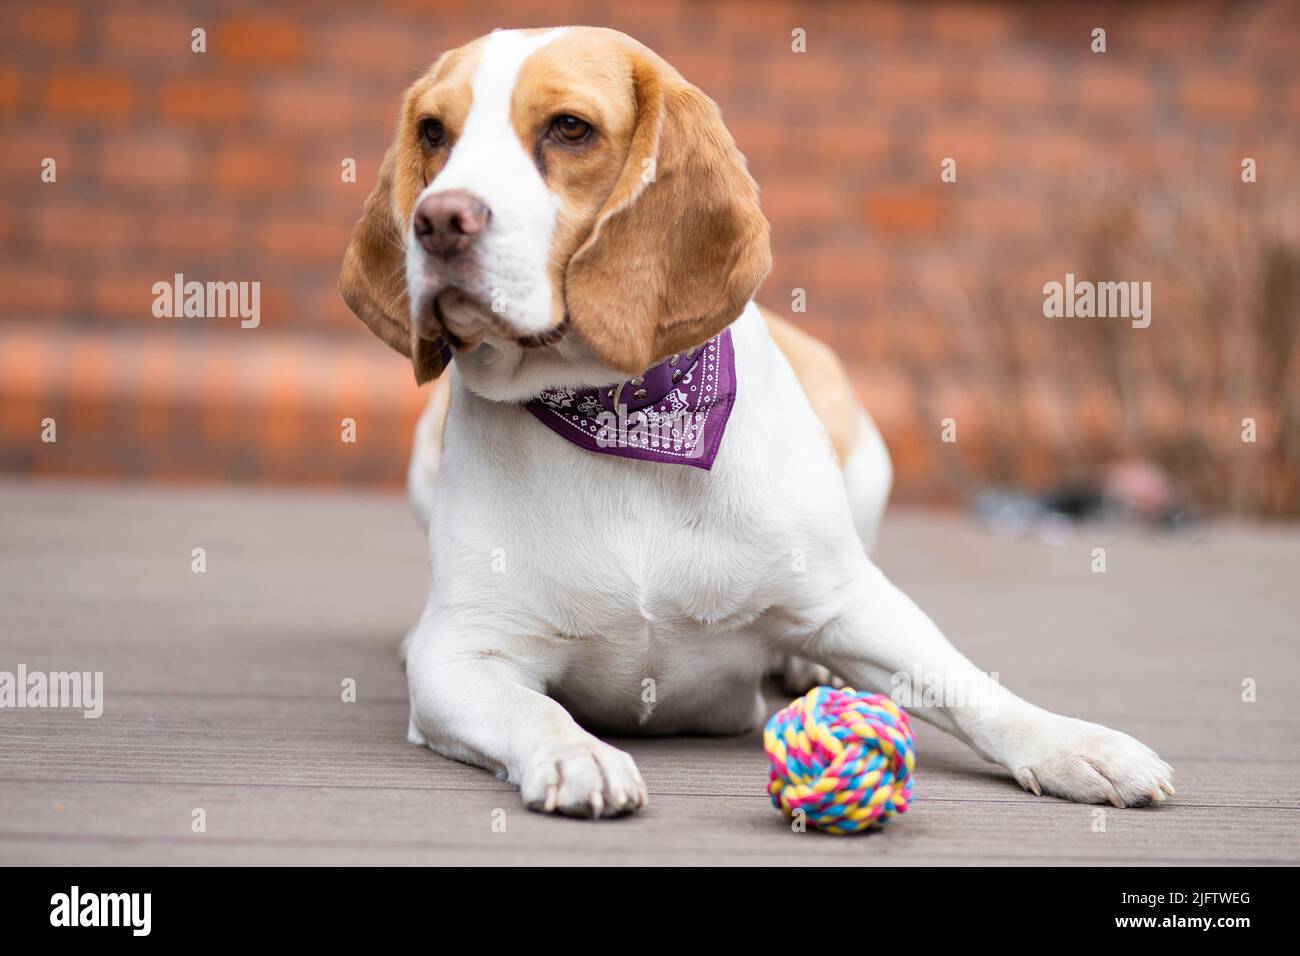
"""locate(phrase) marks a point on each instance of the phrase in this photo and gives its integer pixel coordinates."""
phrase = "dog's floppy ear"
(680, 245)
(373, 279)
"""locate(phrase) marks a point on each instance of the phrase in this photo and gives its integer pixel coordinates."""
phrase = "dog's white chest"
(641, 591)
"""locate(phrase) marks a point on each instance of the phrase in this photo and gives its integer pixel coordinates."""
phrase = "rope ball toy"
(843, 757)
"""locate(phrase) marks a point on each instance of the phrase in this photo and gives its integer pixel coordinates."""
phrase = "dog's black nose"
(446, 223)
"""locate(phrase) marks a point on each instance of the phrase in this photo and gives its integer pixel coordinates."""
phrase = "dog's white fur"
(574, 590)
(508, 271)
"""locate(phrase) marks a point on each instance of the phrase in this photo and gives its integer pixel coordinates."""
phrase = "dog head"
(561, 208)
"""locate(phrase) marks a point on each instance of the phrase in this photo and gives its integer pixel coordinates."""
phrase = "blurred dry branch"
(1222, 347)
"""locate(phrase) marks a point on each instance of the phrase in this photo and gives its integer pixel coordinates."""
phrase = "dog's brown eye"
(570, 129)
(432, 133)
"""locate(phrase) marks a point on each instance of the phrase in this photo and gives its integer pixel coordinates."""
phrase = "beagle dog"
(643, 492)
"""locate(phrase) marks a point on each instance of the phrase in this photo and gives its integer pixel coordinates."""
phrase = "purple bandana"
(675, 412)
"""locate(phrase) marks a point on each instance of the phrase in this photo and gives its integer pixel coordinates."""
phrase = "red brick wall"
(225, 165)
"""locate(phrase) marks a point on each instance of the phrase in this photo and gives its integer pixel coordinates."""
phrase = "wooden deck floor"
(223, 693)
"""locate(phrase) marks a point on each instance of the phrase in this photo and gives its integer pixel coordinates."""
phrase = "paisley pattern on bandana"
(675, 413)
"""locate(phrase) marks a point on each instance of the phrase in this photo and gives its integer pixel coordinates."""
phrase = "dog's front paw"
(1089, 763)
(586, 778)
